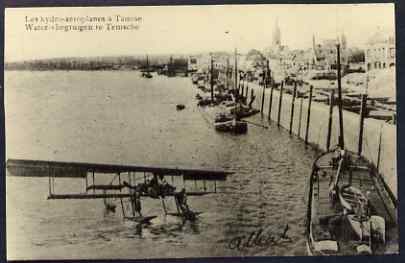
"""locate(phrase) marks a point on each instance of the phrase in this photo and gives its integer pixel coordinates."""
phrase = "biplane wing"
(39, 168)
(89, 171)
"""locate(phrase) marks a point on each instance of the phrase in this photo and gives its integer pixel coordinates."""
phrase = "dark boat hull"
(236, 127)
(331, 215)
(140, 219)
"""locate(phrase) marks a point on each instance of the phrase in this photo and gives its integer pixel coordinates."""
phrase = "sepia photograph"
(150, 132)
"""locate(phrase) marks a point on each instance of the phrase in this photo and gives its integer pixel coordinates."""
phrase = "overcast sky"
(188, 29)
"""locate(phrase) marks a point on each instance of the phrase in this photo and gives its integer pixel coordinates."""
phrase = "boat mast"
(268, 73)
(212, 79)
(170, 66)
(227, 73)
(341, 132)
(236, 70)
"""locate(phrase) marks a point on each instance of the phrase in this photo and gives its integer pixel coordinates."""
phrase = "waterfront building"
(356, 60)
(380, 51)
(325, 53)
(203, 61)
(192, 64)
(297, 61)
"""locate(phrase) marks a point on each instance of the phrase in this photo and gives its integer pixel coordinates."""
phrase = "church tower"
(276, 35)
(314, 51)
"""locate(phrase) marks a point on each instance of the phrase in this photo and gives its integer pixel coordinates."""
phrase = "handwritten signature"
(258, 238)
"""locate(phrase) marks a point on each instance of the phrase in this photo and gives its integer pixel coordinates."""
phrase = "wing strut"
(122, 203)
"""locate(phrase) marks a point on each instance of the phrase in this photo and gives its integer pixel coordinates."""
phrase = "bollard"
(361, 124)
(308, 115)
(292, 106)
(331, 102)
(280, 101)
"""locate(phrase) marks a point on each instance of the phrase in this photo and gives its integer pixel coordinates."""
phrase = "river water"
(120, 118)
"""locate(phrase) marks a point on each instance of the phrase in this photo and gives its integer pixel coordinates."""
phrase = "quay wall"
(318, 130)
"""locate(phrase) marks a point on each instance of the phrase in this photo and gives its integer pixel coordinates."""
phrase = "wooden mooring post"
(309, 114)
(240, 84)
(263, 93)
(268, 83)
(379, 149)
(300, 117)
(280, 102)
(331, 102)
(270, 101)
(94, 189)
(49, 183)
(292, 106)
(363, 110)
(339, 82)
(243, 85)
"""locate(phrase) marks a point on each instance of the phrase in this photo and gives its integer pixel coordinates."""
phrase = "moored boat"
(180, 106)
(243, 112)
(197, 77)
(146, 72)
(232, 126)
(194, 79)
(223, 117)
(147, 75)
(350, 212)
(204, 101)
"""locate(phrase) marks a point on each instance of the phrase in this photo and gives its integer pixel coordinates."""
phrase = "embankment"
(379, 137)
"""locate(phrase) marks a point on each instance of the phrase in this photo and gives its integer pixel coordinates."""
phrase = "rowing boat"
(233, 126)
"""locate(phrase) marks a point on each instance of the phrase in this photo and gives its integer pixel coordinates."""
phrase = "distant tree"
(356, 56)
(255, 54)
(257, 58)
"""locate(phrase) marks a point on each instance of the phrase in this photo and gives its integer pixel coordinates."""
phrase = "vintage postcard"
(200, 131)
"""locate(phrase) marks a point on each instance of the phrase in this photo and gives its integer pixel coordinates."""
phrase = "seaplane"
(125, 183)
